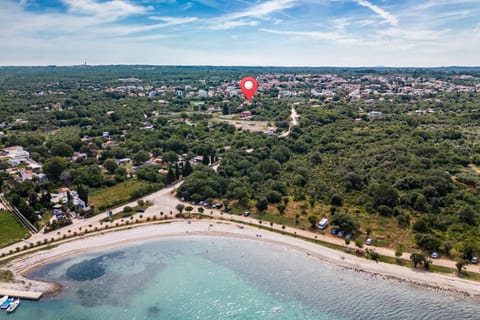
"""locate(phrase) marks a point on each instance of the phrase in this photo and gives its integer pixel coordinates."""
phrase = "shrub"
(336, 200)
(385, 211)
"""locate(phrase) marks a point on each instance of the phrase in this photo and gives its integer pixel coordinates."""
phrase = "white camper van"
(323, 223)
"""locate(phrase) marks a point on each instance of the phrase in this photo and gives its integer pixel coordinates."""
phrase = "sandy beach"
(198, 228)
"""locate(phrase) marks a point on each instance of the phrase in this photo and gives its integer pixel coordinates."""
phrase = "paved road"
(165, 201)
(332, 239)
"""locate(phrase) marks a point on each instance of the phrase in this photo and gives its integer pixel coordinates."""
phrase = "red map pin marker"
(249, 86)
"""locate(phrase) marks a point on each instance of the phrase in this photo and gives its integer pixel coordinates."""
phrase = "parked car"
(435, 255)
(340, 234)
(246, 213)
(323, 224)
(349, 236)
(333, 231)
(474, 260)
(368, 241)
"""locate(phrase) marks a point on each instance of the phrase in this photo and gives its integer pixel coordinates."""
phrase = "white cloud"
(147, 37)
(388, 17)
(440, 3)
(249, 16)
(341, 23)
(112, 8)
(173, 21)
(413, 35)
(187, 6)
(307, 34)
(121, 30)
(263, 9)
(232, 24)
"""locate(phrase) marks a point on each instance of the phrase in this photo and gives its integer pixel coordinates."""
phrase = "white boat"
(6, 303)
(14, 305)
(3, 299)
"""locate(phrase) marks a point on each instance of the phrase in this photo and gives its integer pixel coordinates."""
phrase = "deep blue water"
(226, 278)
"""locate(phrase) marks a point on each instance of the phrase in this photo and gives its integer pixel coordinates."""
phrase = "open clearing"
(249, 125)
(118, 194)
(10, 230)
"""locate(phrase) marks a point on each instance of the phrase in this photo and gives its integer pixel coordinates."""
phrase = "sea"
(199, 277)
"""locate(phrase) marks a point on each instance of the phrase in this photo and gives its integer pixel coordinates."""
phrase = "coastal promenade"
(163, 207)
(137, 235)
(165, 201)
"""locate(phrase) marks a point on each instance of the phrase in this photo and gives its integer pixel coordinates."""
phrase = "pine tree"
(170, 176)
(177, 171)
(206, 160)
(82, 191)
(187, 169)
(225, 110)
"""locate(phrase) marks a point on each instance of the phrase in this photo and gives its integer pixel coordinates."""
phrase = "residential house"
(79, 155)
(198, 159)
(123, 161)
(63, 195)
(16, 155)
(374, 115)
(245, 115)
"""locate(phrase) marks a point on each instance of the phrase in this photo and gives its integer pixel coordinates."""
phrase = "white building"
(16, 152)
(62, 198)
(16, 155)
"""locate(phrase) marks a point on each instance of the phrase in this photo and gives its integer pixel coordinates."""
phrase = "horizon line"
(241, 66)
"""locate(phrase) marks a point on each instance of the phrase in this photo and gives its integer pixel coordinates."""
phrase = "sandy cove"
(164, 201)
(137, 235)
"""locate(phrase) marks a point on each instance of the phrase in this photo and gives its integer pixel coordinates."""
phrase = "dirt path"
(474, 168)
(293, 122)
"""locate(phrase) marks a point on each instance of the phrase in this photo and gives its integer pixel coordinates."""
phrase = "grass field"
(10, 230)
(120, 193)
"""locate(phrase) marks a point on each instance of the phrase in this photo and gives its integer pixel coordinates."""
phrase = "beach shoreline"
(136, 235)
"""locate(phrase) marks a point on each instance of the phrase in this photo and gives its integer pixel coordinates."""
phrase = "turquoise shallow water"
(225, 278)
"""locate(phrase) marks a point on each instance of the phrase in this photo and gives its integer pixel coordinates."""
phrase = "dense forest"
(407, 177)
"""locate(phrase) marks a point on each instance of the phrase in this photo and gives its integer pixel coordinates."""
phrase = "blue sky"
(241, 32)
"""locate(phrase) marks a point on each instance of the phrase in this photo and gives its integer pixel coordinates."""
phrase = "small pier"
(28, 295)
